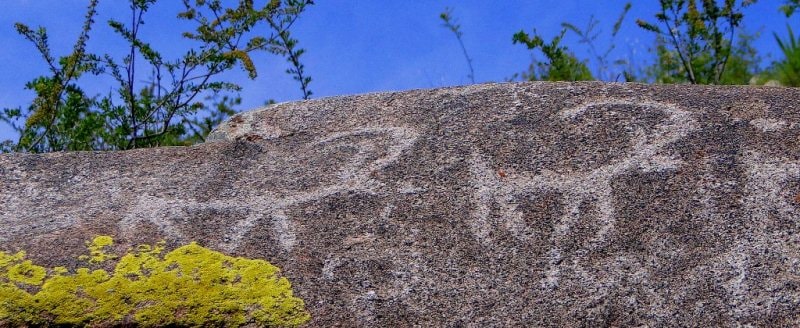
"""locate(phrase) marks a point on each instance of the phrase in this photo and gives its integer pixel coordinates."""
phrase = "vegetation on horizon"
(157, 101)
(697, 42)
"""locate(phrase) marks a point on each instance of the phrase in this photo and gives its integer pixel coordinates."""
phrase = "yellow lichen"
(97, 253)
(189, 286)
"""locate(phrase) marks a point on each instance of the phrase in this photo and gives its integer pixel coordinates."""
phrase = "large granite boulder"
(545, 204)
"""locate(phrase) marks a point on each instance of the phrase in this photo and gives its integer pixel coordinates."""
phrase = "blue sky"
(359, 46)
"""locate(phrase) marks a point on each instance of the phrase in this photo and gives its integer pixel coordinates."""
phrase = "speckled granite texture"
(540, 204)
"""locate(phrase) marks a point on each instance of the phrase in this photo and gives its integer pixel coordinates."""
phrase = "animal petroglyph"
(768, 125)
(355, 175)
(649, 152)
(768, 197)
(769, 204)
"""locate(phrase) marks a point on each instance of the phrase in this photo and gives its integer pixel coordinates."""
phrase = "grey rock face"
(545, 204)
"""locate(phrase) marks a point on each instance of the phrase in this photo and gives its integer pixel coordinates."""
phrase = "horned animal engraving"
(354, 176)
(649, 153)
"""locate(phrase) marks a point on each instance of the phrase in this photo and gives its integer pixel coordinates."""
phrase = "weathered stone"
(543, 204)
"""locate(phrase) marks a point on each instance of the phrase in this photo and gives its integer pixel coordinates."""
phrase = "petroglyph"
(769, 205)
(569, 204)
(355, 175)
(768, 124)
(333, 261)
(649, 153)
(768, 198)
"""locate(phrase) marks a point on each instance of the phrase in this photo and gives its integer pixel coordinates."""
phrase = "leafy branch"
(451, 24)
(701, 37)
(286, 46)
(561, 64)
(50, 91)
(590, 34)
(161, 107)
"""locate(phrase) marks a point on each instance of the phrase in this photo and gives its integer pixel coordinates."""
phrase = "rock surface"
(546, 204)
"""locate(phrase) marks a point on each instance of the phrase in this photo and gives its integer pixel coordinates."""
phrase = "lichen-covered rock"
(191, 286)
(544, 204)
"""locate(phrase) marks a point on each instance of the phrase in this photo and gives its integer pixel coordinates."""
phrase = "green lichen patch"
(189, 286)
